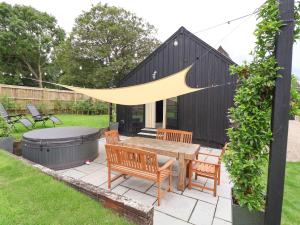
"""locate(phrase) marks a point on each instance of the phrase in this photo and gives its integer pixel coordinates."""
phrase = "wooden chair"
(174, 135)
(139, 163)
(206, 169)
(217, 156)
(112, 137)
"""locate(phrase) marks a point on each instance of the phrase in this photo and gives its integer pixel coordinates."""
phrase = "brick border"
(125, 207)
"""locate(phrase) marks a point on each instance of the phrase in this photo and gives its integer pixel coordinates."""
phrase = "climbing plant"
(250, 132)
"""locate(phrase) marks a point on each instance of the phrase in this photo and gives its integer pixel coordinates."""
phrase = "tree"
(27, 40)
(105, 44)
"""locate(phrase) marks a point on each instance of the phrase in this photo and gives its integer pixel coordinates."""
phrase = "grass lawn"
(98, 121)
(28, 197)
(291, 201)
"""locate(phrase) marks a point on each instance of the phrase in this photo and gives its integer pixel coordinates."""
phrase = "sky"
(168, 16)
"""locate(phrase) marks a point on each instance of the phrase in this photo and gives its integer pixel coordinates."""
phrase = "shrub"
(42, 107)
(99, 107)
(295, 97)
(75, 107)
(85, 107)
(57, 105)
(5, 130)
(67, 106)
(9, 103)
(250, 134)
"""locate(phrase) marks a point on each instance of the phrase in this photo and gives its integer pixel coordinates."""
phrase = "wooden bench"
(139, 163)
(174, 135)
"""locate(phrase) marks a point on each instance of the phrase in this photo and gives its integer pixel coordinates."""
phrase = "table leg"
(187, 168)
(181, 172)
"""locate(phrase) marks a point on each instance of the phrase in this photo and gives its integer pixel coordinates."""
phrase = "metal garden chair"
(13, 119)
(38, 117)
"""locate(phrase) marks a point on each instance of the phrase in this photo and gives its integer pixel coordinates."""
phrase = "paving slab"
(62, 171)
(224, 209)
(166, 183)
(153, 191)
(224, 191)
(200, 195)
(193, 206)
(101, 158)
(216, 151)
(176, 205)
(74, 173)
(114, 184)
(90, 168)
(141, 197)
(120, 190)
(203, 214)
(138, 184)
(96, 178)
(211, 159)
(220, 222)
(164, 219)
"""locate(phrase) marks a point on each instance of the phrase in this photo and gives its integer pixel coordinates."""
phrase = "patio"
(178, 207)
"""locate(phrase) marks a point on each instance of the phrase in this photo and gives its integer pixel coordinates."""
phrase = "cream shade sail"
(171, 86)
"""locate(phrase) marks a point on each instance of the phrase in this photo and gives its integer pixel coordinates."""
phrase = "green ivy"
(250, 133)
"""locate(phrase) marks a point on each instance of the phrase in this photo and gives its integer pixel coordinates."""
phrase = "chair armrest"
(166, 165)
(208, 154)
(205, 162)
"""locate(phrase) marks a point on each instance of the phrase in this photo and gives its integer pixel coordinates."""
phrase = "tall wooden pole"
(110, 112)
(280, 116)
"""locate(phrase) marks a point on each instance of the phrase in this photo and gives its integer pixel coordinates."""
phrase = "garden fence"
(15, 98)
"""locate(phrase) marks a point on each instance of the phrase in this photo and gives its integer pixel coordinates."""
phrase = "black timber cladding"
(203, 112)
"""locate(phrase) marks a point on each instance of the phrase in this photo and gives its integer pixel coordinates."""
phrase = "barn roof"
(181, 30)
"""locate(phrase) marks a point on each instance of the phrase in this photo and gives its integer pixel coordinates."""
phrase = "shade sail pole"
(280, 115)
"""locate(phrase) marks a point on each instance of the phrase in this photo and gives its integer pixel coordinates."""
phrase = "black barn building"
(203, 112)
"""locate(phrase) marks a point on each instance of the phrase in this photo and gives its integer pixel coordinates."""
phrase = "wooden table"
(183, 152)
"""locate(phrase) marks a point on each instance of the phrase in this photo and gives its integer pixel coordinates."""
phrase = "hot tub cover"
(59, 133)
(61, 148)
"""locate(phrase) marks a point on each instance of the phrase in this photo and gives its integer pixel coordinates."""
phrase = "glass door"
(172, 113)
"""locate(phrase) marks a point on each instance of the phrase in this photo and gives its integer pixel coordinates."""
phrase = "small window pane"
(138, 113)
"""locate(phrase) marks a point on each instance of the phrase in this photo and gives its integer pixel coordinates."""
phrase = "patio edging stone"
(126, 207)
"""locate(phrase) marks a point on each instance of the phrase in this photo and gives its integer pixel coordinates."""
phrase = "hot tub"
(62, 147)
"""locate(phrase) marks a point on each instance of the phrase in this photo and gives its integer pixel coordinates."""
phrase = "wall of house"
(203, 112)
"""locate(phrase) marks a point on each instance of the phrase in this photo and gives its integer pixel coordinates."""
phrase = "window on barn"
(137, 117)
(172, 113)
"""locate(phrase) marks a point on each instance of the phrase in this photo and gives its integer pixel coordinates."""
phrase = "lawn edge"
(123, 206)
